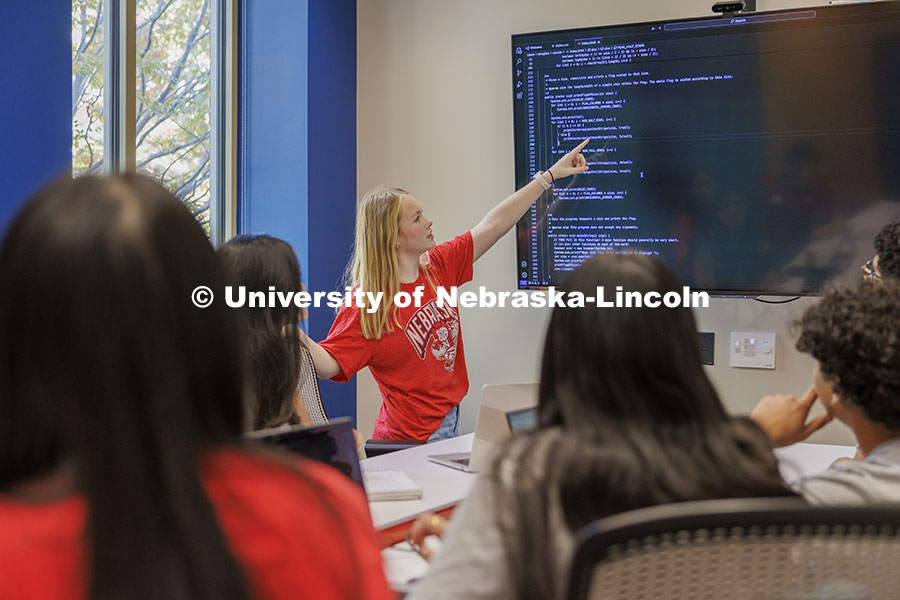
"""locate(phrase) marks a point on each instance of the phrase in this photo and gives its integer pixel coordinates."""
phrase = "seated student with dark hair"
(122, 469)
(854, 334)
(627, 418)
(886, 262)
(269, 334)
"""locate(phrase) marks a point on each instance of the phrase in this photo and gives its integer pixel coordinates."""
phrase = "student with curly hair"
(854, 334)
(886, 262)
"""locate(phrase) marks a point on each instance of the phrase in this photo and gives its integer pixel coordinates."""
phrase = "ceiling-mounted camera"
(736, 6)
(728, 7)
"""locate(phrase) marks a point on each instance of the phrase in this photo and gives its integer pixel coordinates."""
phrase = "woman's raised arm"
(502, 217)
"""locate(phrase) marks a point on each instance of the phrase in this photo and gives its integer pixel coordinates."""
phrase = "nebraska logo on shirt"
(437, 327)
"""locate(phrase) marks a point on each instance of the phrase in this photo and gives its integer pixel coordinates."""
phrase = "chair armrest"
(378, 447)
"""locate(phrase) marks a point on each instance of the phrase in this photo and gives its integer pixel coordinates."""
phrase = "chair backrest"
(308, 389)
(755, 548)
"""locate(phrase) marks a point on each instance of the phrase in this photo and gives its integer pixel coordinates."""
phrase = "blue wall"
(332, 165)
(36, 102)
(298, 143)
(274, 122)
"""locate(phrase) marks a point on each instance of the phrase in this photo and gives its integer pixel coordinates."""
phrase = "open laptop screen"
(524, 419)
(332, 444)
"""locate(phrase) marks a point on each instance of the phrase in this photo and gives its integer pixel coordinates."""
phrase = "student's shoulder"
(346, 321)
(37, 538)
(450, 255)
(852, 482)
(459, 244)
(251, 470)
(280, 489)
(293, 524)
(259, 464)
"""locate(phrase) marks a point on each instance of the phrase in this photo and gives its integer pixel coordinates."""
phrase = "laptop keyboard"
(460, 461)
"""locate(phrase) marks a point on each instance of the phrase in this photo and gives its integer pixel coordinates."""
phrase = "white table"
(802, 460)
(443, 487)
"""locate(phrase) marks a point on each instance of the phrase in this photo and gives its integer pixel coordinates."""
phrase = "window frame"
(119, 102)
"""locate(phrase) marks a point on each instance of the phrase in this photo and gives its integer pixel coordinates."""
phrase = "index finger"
(580, 146)
(810, 396)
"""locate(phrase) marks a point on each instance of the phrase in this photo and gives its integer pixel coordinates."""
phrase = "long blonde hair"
(374, 265)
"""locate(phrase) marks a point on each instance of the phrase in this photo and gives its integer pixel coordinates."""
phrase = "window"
(87, 86)
(172, 114)
(179, 128)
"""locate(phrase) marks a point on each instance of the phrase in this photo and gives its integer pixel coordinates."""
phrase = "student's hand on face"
(830, 399)
(573, 162)
(784, 418)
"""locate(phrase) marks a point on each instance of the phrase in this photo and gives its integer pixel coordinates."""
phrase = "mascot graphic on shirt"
(434, 330)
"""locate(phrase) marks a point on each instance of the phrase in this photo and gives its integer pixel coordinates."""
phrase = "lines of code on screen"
(732, 149)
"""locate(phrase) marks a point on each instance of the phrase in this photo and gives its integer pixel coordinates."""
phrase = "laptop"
(332, 444)
(506, 409)
(522, 420)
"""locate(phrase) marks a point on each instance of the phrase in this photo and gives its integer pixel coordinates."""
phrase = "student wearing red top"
(415, 353)
(122, 469)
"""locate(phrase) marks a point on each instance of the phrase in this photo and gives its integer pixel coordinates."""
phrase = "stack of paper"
(390, 484)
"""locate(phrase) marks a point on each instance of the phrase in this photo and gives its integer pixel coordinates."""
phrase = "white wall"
(434, 112)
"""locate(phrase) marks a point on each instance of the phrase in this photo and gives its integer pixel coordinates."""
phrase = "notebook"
(390, 484)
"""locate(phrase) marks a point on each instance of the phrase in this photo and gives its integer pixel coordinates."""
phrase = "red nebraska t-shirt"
(296, 531)
(420, 368)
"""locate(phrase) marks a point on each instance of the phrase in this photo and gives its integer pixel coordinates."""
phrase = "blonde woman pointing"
(415, 352)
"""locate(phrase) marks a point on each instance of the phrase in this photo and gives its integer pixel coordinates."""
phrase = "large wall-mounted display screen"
(754, 154)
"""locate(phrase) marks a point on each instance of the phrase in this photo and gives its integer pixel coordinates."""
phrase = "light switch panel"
(707, 346)
(752, 349)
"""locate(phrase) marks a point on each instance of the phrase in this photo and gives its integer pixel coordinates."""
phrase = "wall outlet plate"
(752, 349)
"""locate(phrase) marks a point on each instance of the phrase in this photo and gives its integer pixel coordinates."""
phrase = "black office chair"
(376, 447)
(756, 548)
